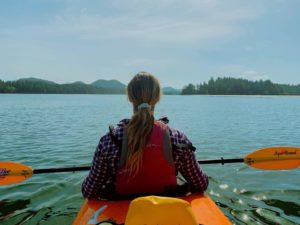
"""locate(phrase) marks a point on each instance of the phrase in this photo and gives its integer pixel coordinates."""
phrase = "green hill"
(34, 85)
(114, 86)
(81, 88)
(39, 86)
(36, 80)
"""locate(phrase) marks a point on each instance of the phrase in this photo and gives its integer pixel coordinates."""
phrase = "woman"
(142, 155)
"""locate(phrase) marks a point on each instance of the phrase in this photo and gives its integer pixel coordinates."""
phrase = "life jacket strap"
(167, 146)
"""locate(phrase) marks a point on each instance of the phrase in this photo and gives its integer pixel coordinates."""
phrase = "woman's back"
(124, 164)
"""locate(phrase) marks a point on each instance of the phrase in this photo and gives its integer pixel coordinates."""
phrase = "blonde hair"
(143, 88)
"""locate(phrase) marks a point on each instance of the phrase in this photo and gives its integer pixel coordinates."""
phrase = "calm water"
(62, 130)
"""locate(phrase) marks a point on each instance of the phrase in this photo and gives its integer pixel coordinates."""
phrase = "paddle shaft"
(58, 170)
(84, 168)
(222, 161)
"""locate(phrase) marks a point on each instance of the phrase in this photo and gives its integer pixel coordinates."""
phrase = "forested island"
(39, 86)
(219, 86)
(239, 86)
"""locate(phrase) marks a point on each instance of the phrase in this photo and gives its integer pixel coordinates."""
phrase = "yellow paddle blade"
(12, 172)
(274, 158)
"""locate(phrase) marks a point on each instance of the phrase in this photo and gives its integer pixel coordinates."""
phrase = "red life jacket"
(157, 173)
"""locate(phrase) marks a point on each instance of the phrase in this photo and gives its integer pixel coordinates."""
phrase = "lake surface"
(46, 131)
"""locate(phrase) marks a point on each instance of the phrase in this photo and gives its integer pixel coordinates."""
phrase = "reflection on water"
(8, 208)
(251, 207)
(43, 216)
(289, 208)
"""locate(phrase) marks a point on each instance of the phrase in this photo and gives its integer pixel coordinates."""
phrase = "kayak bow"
(204, 209)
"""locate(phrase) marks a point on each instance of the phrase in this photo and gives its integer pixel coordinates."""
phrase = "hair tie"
(144, 106)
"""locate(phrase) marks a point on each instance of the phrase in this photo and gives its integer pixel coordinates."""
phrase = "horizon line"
(125, 83)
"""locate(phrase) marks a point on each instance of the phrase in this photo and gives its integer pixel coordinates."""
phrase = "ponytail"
(143, 92)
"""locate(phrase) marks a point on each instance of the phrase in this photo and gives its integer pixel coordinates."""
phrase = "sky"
(180, 42)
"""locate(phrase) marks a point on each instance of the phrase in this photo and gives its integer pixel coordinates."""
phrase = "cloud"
(241, 71)
(185, 23)
(254, 75)
(157, 21)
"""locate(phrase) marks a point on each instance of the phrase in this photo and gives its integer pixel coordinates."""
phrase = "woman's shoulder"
(111, 140)
(115, 133)
(178, 137)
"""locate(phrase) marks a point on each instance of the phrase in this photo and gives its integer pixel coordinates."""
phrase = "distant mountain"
(37, 80)
(171, 91)
(34, 85)
(40, 86)
(114, 85)
(82, 88)
(78, 82)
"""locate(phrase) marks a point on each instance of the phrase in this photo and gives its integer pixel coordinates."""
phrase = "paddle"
(274, 158)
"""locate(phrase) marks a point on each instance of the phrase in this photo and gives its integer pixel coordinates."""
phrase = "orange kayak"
(203, 208)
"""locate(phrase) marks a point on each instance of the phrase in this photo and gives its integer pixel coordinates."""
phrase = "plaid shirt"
(107, 156)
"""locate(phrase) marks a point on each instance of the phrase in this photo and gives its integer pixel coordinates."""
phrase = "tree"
(189, 90)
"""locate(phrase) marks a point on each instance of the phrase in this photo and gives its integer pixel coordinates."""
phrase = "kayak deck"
(204, 209)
